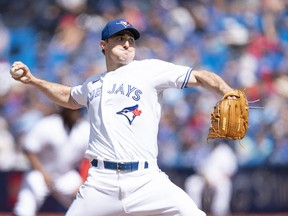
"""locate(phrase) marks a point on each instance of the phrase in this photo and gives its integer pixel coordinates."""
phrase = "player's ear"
(102, 44)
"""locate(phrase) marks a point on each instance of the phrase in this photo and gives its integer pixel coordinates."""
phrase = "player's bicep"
(193, 81)
(74, 104)
(202, 78)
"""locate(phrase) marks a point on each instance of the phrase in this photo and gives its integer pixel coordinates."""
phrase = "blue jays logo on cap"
(124, 23)
(115, 26)
(130, 113)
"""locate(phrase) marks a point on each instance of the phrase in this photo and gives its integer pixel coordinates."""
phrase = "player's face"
(120, 49)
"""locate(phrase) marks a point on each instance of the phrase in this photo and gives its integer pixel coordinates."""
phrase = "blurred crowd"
(244, 41)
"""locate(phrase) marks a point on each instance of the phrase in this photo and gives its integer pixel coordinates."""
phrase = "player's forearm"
(35, 162)
(37, 165)
(210, 81)
(58, 93)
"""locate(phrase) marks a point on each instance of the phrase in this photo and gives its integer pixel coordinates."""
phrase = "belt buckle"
(118, 166)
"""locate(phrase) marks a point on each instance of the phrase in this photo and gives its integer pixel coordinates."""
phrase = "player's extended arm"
(209, 80)
(36, 164)
(58, 93)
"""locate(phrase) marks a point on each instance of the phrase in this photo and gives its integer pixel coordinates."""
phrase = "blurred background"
(244, 41)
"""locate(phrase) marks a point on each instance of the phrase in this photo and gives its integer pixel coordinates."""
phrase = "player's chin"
(125, 61)
(126, 57)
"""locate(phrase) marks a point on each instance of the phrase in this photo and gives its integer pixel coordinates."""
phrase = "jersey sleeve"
(169, 75)
(79, 95)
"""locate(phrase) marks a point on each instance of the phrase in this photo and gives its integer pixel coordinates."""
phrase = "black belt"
(119, 166)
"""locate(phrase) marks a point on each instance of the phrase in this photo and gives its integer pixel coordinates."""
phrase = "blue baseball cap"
(115, 26)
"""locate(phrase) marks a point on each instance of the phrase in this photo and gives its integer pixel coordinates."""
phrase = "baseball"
(16, 73)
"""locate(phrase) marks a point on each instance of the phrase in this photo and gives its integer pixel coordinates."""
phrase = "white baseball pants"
(143, 192)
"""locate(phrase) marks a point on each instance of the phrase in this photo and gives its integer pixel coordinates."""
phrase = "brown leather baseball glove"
(230, 117)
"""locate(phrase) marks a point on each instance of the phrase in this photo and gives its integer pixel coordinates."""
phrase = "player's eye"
(120, 38)
(131, 40)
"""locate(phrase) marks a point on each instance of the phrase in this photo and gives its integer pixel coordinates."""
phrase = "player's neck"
(113, 67)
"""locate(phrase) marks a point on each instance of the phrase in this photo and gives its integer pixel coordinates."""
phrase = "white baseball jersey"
(124, 108)
(55, 146)
(59, 151)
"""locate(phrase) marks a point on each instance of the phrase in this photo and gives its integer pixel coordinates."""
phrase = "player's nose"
(126, 44)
